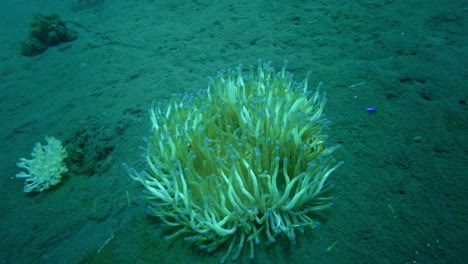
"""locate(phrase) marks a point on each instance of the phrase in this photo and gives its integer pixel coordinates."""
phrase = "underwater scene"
(222, 131)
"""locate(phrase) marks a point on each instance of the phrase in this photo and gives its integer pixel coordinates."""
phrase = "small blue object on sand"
(371, 109)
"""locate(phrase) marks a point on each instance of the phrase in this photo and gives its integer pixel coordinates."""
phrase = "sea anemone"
(46, 167)
(239, 163)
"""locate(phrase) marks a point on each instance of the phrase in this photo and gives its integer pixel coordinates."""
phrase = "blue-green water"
(401, 194)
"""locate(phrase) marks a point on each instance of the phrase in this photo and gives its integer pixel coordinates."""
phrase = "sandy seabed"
(401, 196)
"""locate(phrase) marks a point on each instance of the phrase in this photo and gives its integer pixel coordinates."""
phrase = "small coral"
(46, 31)
(45, 168)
